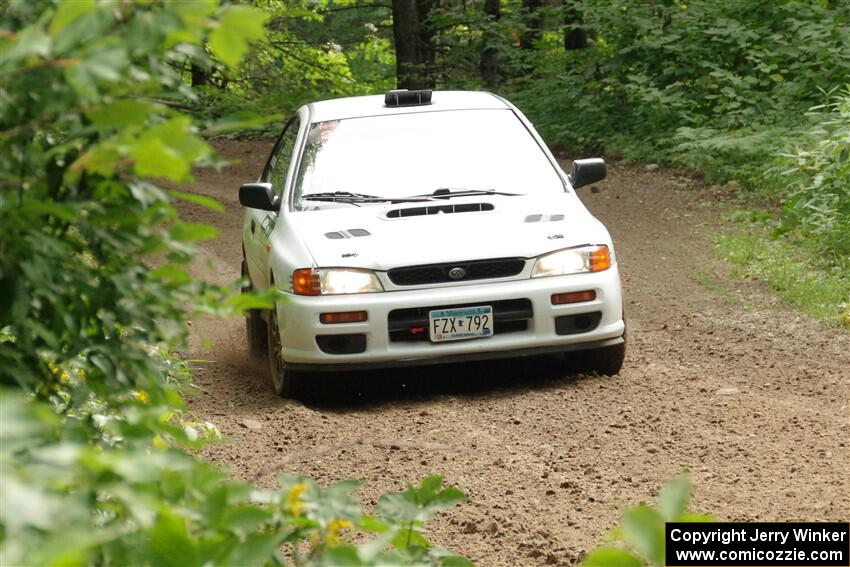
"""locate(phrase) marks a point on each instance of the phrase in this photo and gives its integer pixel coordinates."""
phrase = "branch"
(354, 7)
(313, 64)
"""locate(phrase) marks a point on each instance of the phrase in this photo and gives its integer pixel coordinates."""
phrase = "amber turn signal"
(305, 281)
(600, 259)
(343, 317)
(573, 297)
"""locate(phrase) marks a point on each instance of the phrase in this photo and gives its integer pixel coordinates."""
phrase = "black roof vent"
(404, 97)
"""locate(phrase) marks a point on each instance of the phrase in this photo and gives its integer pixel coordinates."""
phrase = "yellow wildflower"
(293, 503)
(338, 525)
(53, 368)
(64, 377)
(142, 396)
(333, 529)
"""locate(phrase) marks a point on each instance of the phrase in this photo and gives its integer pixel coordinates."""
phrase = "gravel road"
(720, 379)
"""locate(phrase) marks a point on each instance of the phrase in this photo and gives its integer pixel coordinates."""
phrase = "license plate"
(460, 323)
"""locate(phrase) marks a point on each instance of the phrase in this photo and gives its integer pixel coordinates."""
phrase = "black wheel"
(286, 382)
(606, 361)
(255, 327)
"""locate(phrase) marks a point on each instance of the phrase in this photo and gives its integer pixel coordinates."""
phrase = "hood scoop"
(350, 233)
(544, 218)
(439, 209)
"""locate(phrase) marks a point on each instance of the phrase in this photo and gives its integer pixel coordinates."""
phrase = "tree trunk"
(200, 76)
(414, 45)
(533, 19)
(575, 37)
(489, 66)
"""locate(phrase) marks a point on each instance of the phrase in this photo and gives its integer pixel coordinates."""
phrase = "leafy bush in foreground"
(93, 428)
(640, 539)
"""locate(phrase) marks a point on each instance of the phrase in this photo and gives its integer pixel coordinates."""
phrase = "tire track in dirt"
(749, 396)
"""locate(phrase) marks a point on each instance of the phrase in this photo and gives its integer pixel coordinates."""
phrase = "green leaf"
(418, 503)
(155, 159)
(215, 505)
(121, 113)
(241, 121)
(171, 274)
(372, 524)
(105, 65)
(193, 232)
(409, 538)
(341, 556)
(246, 518)
(171, 543)
(31, 41)
(169, 150)
(67, 12)
(257, 549)
(673, 498)
(237, 27)
(644, 528)
(207, 202)
(255, 300)
(611, 557)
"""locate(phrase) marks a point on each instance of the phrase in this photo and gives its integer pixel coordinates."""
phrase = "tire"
(606, 361)
(287, 383)
(255, 328)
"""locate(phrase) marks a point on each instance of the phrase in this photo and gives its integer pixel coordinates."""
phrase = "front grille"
(509, 316)
(474, 270)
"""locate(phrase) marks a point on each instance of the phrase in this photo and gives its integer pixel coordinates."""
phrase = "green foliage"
(68, 502)
(737, 90)
(314, 50)
(657, 67)
(815, 180)
(640, 539)
(94, 432)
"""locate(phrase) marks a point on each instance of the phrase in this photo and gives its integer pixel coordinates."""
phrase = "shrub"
(94, 466)
(815, 176)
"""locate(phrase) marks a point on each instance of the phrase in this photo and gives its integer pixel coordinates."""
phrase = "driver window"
(283, 157)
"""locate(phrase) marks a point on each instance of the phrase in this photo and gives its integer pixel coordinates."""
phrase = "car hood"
(366, 237)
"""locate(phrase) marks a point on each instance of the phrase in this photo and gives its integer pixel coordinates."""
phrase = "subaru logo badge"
(457, 273)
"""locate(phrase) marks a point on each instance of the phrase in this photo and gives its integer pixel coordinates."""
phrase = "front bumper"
(298, 318)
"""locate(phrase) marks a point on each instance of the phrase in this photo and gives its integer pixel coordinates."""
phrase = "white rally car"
(421, 227)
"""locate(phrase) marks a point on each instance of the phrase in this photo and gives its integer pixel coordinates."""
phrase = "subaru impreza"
(424, 227)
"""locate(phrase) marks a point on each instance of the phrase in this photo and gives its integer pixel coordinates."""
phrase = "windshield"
(413, 154)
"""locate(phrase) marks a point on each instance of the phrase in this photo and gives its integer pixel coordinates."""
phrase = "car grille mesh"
(473, 270)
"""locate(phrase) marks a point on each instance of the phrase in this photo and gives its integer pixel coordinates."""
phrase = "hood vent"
(350, 233)
(544, 218)
(440, 209)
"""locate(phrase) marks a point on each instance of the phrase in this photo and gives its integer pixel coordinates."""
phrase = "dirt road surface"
(750, 397)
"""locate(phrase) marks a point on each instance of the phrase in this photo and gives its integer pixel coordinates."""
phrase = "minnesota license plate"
(460, 323)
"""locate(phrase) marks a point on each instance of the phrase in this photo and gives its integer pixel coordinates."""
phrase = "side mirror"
(587, 171)
(258, 196)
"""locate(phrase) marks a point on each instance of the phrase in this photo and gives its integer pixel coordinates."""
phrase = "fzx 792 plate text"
(460, 323)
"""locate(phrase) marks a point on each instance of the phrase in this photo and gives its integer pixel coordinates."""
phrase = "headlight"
(334, 281)
(572, 261)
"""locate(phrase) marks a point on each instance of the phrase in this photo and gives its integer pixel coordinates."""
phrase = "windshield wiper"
(448, 193)
(348, 197)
